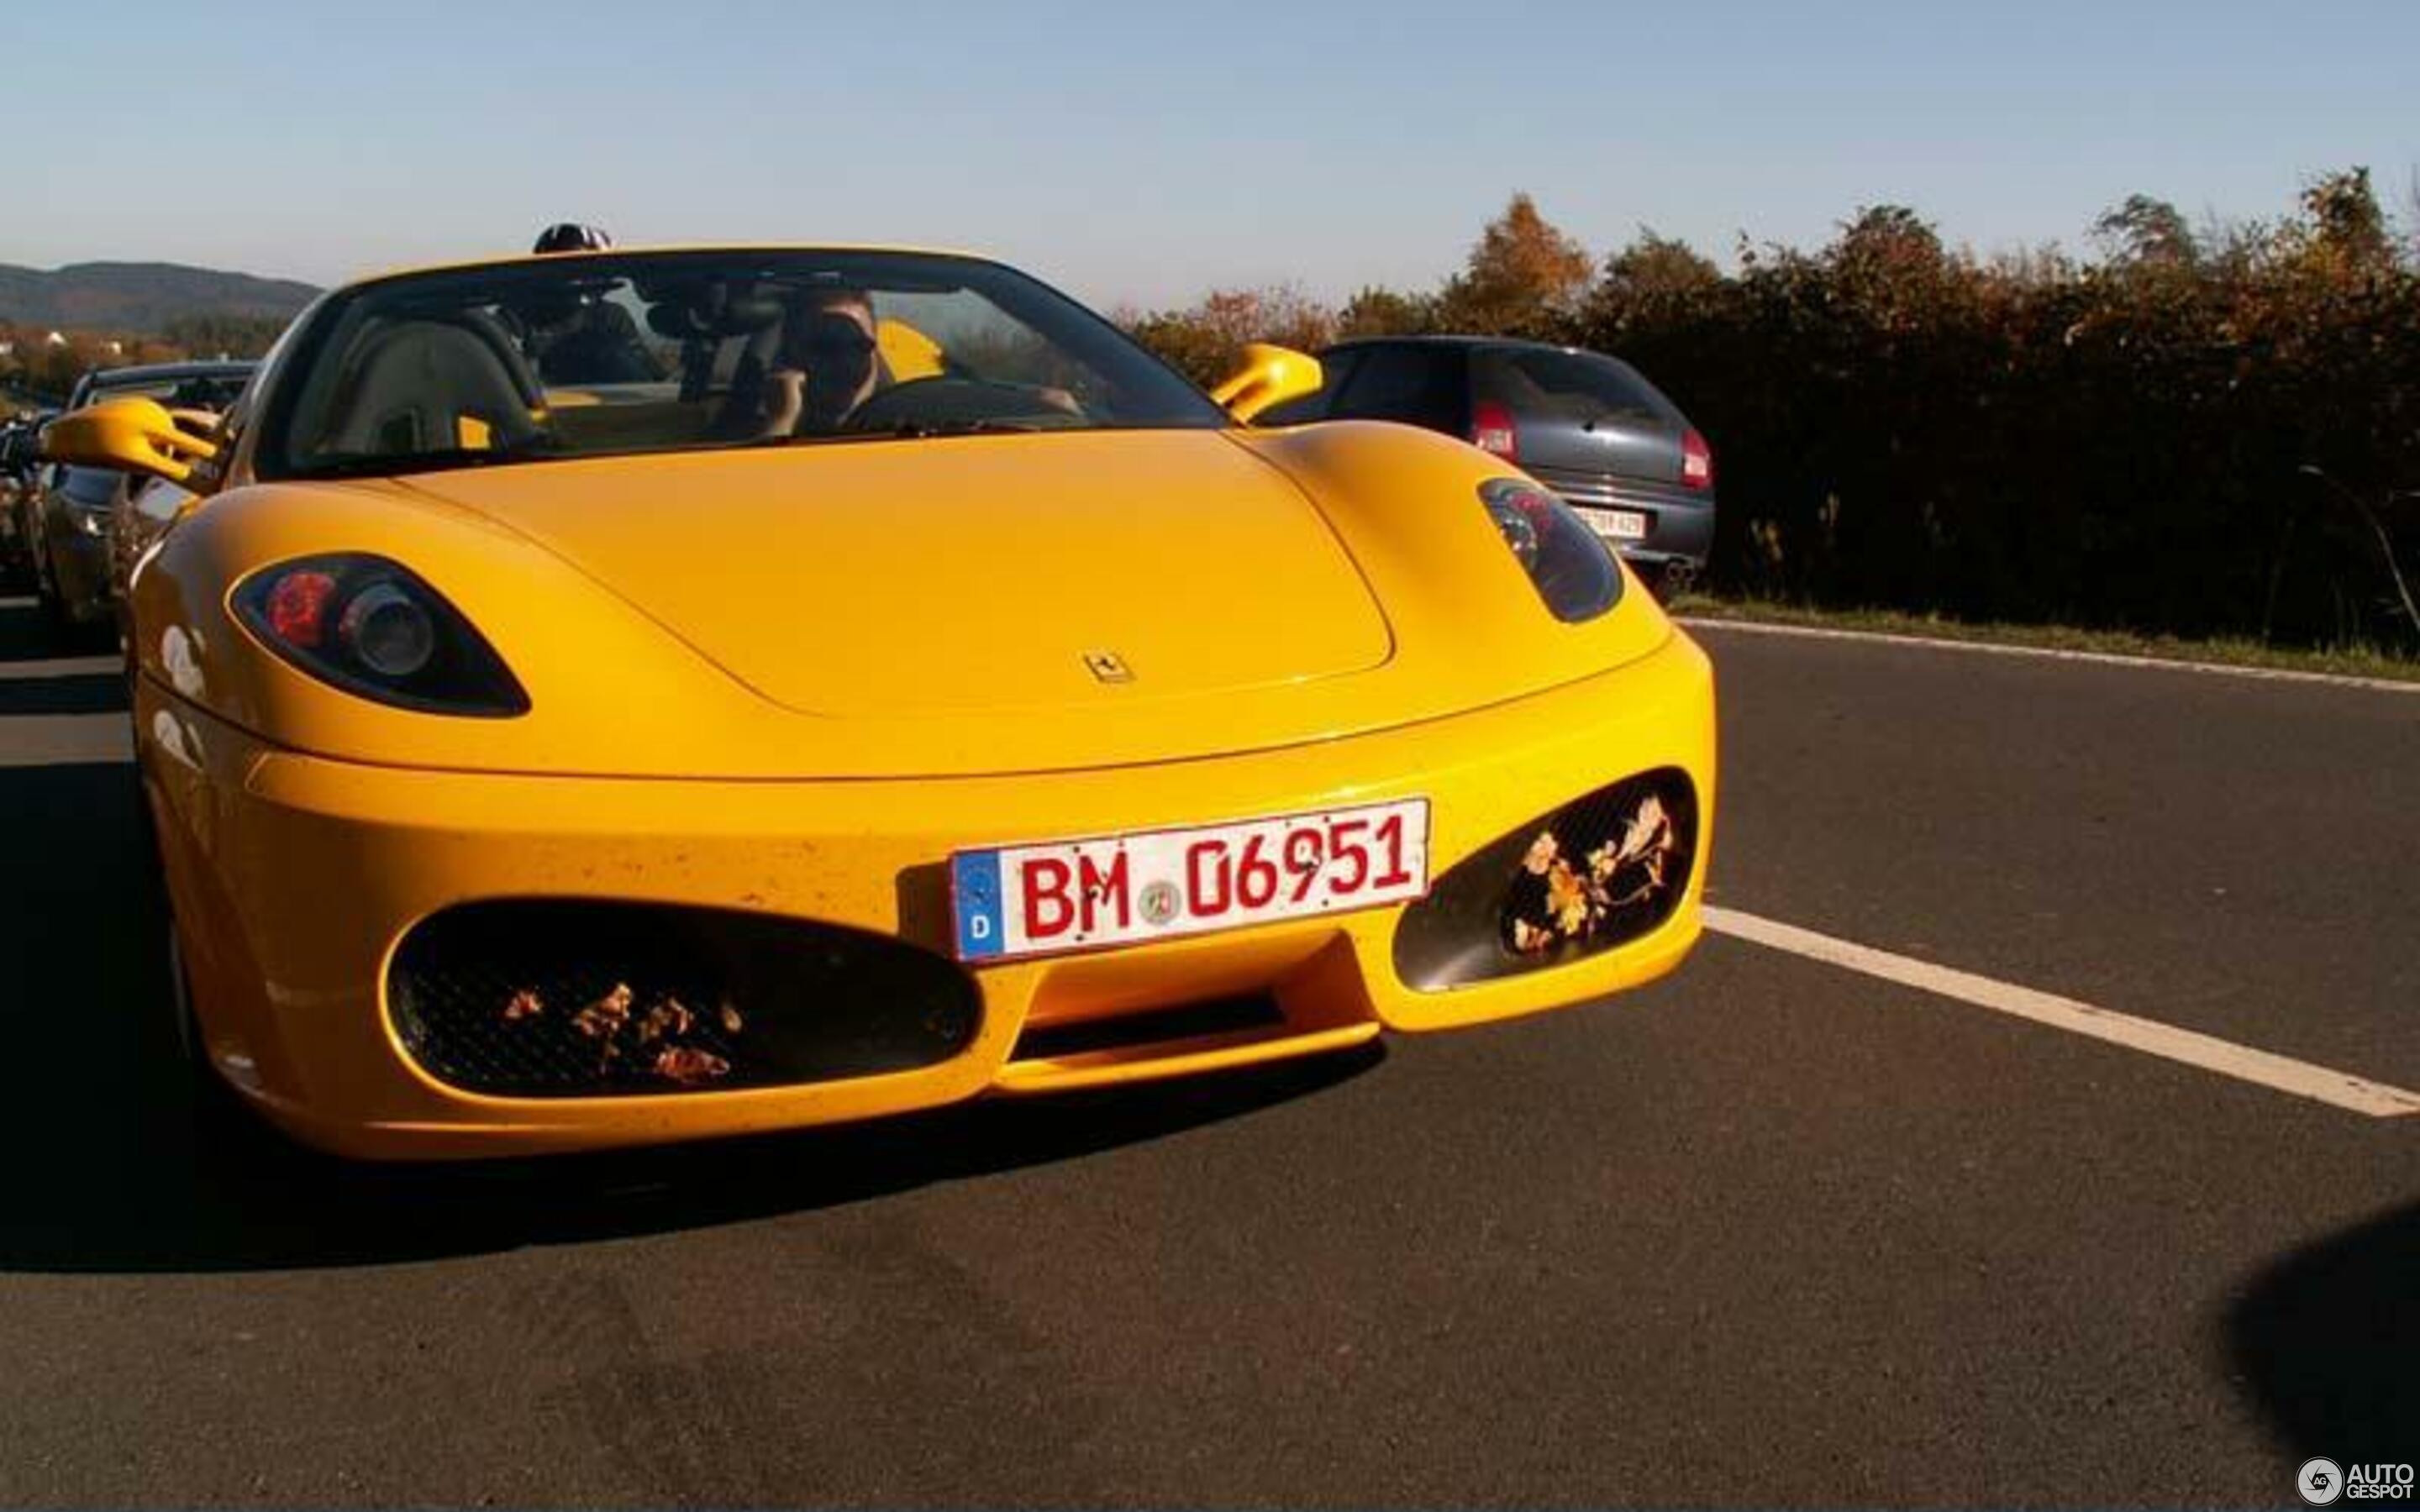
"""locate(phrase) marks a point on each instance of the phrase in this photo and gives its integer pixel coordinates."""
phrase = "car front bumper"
(296, 879)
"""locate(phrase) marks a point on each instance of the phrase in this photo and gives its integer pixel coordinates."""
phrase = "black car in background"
(1587, 425)
(21, 452)
(66, 513)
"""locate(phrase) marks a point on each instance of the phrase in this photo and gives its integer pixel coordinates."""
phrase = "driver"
(827, 364)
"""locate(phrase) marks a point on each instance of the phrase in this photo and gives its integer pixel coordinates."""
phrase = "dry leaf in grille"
(1649, 828)
(604, 1018)
(524, 1004)
(1567, 898)
(690, 1065)
(667, 1020)
(731, 1021)
(1542, 853)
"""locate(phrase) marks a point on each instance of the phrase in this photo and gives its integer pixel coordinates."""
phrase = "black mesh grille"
(543, 998)
(1600, 871)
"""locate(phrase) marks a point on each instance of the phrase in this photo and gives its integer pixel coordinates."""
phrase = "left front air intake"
(564, 998)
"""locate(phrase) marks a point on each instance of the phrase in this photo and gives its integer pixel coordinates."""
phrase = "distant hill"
(138, 297)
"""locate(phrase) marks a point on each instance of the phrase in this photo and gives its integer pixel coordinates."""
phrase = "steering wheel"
(945, 398)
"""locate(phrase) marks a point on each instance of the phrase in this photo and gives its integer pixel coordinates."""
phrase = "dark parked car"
(1587, 425)
(65, 516)
(20, 461)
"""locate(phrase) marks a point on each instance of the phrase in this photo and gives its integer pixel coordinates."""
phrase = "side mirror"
(132, 435)
(1270, 375)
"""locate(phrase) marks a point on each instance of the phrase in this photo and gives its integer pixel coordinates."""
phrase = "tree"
(1655, 267)
(1522, 273)
(1888, 241)
(1887, 264)
(234, 335)
(1383, 312)
(2344, 231)
(2147, 233)
(1207, 341)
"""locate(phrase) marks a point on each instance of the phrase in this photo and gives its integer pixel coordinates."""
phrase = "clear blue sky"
(1143, 153)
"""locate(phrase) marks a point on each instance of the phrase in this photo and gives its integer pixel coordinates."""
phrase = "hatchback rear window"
(1417, 384)
(1574, 384)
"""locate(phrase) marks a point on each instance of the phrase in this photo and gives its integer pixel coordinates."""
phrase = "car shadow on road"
(2325, 1341)
(116, 1165)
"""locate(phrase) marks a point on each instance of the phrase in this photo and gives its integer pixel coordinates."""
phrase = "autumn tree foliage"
(1205, 342)
(1523, 275)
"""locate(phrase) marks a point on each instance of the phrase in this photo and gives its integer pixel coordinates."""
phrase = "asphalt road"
(1769, 1231)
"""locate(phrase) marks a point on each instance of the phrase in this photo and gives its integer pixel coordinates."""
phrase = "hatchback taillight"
(1696, 461)
(1491, 431)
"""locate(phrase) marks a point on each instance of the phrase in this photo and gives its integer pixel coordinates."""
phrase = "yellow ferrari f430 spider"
(629, 696)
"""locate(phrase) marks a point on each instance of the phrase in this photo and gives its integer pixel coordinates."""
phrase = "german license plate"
(1616, 524)
(1117, 890)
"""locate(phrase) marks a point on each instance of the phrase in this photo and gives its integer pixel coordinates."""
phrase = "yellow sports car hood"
(953, 605)
(964, 574)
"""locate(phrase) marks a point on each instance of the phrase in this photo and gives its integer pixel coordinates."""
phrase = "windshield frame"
(1084, 334)
(104, 384)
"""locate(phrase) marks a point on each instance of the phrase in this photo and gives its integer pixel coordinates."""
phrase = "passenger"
(575, 337)
(570, 236)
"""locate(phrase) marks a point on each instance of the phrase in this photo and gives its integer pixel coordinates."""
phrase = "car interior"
(615, 364)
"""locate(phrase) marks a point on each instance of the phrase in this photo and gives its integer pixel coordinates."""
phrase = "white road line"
(65, 739)
(2279, 1072)
(27, 671)
(2102, 659)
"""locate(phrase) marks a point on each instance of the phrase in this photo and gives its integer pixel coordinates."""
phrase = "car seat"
(433, 385)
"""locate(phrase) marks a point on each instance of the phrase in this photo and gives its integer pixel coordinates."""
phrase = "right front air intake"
(1597, 872)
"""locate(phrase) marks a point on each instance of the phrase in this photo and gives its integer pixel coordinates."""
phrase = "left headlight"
(1575, 572)
(371, 627)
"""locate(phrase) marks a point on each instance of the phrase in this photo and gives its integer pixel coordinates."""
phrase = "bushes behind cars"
(2197, 434)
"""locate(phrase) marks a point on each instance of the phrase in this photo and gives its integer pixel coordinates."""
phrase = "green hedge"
(2118, 446)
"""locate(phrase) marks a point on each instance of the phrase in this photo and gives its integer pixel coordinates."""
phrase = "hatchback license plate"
(1118, 890)
(1616, 524)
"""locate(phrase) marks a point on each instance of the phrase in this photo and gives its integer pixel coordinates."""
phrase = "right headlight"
(1572, 570)
(371, 627)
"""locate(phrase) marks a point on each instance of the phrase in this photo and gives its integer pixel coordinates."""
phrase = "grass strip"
(2340, 661)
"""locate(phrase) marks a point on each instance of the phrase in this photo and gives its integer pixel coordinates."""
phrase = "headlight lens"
(389, 630)
(371, 627)
(1572, 570)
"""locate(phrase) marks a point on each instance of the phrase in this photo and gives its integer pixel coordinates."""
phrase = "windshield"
(586, 356)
